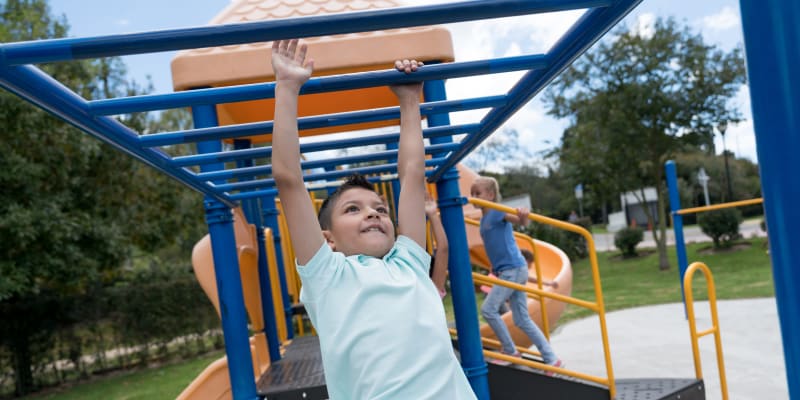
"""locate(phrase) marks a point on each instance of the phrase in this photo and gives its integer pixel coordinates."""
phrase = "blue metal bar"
(334, 83)
(373, 169)
(253, 214)
(269, 211)
(462, 287)
(264, 31)
(264, 152)
(587, 30)
(255, 194)
(229, 282)
(677, 222)
(306, 165)
(772, 37)
(317, 121)
(45, 92)
(273, 192)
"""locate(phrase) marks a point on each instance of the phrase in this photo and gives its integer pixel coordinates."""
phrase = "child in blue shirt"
(367, 294)
(508, 264)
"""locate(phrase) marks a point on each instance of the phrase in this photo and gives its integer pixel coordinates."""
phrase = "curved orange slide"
(214, 382)
(553, 262)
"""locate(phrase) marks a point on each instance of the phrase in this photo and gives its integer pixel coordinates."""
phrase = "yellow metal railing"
(720, 206)
(597, 306)
(695, 335)
(539, 279)
(277, 298)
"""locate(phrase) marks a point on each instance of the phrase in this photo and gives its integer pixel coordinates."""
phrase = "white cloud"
(645, 25)
(122, 22)
(726, 18)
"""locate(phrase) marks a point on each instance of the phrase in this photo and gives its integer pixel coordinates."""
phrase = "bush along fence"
(54, 339)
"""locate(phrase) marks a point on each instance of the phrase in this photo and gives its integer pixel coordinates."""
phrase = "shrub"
(627, 239)
(722, 226)
(573, 244)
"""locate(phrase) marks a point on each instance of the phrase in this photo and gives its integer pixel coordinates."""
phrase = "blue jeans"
(519, 311)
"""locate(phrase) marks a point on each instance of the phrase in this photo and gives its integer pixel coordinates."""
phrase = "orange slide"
(554, 264)
(214, 382)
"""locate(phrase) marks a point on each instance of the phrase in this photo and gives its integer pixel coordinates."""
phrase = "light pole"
(703, 178)
(722, 126)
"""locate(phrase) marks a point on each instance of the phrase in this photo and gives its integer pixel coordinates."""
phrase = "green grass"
(165, 382)
(737, 273)
(743, 273)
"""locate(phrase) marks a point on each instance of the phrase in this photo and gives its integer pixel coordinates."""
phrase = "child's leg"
(491, 313)
(519, 310)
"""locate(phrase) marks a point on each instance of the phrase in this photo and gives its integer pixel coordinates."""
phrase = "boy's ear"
(329, 239)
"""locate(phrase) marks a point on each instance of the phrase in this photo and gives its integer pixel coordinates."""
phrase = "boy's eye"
(382, 210)
(351, 209)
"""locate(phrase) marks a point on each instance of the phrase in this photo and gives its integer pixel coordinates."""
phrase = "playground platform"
(654, 342)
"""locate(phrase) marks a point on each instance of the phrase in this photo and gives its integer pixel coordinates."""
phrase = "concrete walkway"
(654, 342)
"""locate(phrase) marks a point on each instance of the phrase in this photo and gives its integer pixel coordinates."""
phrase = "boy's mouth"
(373, 228)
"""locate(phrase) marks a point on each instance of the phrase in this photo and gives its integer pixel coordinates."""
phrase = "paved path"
(649, 342)
(748, 229)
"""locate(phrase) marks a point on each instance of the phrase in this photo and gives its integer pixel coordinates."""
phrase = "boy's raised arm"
(291, 72)
(410, 158)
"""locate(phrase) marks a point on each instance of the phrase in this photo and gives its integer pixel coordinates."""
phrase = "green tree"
(72, 209)
(498, 149)
(635, 101)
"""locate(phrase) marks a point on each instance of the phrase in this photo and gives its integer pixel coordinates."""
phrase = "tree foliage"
(637, 100)
(73, 210)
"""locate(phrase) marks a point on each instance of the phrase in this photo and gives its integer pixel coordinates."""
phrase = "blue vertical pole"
(226, 268)
(772, 40)
(451, 205)
(677, 221)
(330, 189)
(395, 183)
(270, 214)
(253, 214)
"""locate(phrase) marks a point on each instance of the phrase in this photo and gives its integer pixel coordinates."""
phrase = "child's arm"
(442, 246)
(520, 218)
(291, 72)
(410, 158)
(553, 284)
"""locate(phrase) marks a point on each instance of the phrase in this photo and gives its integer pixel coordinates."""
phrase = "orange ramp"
(214, 382)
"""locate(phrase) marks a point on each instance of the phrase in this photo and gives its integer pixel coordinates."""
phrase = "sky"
(717, 20)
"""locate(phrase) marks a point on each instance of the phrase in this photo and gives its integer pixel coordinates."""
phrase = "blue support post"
(330, 189)
(451, 205)
(229, 282)
(253, 214)
(772, 37)
(677, 220)
(270, 213)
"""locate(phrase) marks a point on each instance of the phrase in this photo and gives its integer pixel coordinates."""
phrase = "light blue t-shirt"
(499, 242)
(381, 325)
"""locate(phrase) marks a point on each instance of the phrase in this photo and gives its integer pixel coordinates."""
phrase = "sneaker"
(559, 364)
(504, 363)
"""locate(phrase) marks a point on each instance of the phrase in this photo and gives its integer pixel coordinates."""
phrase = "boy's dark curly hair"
(352, 182)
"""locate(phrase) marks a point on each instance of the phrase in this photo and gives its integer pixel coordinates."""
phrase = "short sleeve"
(407, 249)
(495, 216)
(319, 272)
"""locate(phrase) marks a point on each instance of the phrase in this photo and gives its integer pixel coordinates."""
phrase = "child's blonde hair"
(487, 182)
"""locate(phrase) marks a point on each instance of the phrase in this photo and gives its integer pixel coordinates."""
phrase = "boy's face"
(360, 224)
(481, 192)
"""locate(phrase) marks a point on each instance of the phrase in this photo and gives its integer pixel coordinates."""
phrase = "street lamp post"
(722, 127)
(703, 178)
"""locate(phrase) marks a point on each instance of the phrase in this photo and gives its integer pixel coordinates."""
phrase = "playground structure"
(226, 187)
(677, 214)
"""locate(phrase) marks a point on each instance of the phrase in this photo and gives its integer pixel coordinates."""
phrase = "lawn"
(741, 273)
(738, 273)
(165, 382)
